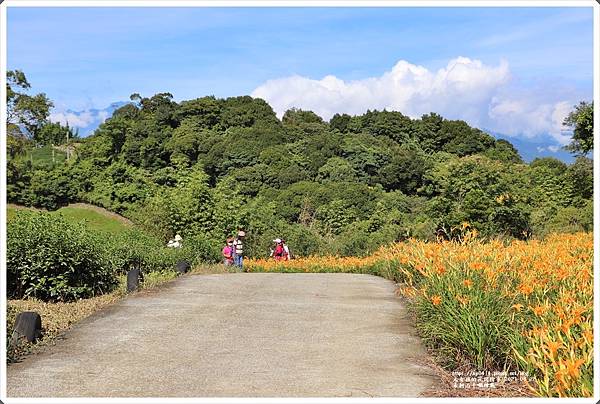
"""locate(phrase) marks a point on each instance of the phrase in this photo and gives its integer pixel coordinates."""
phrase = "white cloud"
(464, 89)
(554, 149)
(526, 117)
(81, 119)
(409, 88)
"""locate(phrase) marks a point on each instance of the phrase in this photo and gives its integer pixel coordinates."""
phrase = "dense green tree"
(205, 167)
(504, 151)
(555, 166)
(18, 181)
(246, 112)
(367, 154)
(391, 124)
(458, 138)
(581, 175)
(53, 133)
(51, 189)
(205, 111)
(16, 143)
(295, 117)
(337, 169)
(405, 170)
(581, 121)
(340, 122)
(484, 193)
(183, 144)
(29, 111)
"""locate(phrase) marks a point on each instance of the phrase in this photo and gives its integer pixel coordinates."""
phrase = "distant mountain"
(86, 121)
(529, 149)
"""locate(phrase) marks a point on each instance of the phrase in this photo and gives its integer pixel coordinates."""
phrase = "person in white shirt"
(238, 250)
(286, 249)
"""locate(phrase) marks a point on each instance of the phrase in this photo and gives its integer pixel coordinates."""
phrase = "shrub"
(52, 259)
(200, 248)
(134, 248)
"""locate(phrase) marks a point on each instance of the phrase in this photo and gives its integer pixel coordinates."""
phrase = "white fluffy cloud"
(74, 119)
(88, 120)
(524, 117)
(464, 89)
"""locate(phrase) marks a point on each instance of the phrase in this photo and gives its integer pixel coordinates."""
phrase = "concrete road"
(238, 335)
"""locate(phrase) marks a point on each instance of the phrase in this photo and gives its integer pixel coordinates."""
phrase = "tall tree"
(581, 120)
(23, 110)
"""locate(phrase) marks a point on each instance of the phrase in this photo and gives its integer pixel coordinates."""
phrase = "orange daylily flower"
(553, 346)
(538, 310)
(573, 367)
(525, 289)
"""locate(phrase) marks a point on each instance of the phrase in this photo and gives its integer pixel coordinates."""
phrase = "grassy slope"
(95, 218)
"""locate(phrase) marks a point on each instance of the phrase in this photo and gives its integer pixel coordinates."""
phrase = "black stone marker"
(183, 266)
(29, 325)
(133, 280)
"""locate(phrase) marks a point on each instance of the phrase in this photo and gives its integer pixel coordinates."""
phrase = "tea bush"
(199, 248)
(135, 248)
(51, 259)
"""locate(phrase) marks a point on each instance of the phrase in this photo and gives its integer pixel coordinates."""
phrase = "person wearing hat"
(279, 252)
(238, 250)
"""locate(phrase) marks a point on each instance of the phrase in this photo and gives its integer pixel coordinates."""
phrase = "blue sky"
(510, 70)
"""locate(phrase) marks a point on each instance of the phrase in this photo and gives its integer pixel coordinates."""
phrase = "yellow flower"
(436, 300)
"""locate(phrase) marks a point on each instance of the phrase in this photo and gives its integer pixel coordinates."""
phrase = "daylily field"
(524, 305)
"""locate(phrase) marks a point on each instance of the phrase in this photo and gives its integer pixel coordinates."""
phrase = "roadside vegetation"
(519, 305)
(79, 263)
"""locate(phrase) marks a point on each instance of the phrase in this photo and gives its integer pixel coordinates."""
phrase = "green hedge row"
(52, 259)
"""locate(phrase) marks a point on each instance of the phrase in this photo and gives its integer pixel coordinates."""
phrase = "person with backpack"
(279, 253)
(228, 252)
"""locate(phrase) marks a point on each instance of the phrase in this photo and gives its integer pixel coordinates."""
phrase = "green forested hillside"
(340, 187)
